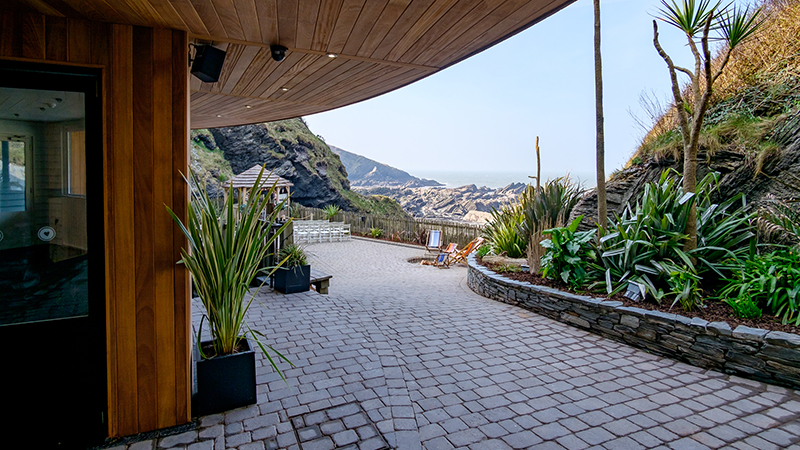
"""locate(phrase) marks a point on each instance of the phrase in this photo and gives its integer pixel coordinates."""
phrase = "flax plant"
(226, 247)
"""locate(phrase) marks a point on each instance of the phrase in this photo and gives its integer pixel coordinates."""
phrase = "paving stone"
(423, 361)
(178, 439)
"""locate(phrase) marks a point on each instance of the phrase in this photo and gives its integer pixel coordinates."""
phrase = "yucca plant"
(548, 206)
(331, 211)
(226, 247)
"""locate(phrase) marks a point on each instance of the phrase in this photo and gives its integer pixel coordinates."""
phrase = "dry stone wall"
(770, 356)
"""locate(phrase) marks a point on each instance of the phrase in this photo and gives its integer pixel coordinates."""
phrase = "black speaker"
(207, 63)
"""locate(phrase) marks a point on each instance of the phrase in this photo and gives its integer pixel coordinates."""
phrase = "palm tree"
(693, 18)
(602, 213)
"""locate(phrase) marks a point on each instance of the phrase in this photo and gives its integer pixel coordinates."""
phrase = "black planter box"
(293, 279)
(224, 382)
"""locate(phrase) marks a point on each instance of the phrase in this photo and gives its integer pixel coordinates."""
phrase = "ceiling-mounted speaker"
(207, 64)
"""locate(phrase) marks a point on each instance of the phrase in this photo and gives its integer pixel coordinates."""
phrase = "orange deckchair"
(461, 255)
(443, 259)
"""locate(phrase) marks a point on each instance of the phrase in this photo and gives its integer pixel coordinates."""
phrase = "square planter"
(224, 382)
(293, 279)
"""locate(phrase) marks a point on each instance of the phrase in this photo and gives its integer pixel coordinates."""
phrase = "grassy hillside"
(759, 88)
(209, 164)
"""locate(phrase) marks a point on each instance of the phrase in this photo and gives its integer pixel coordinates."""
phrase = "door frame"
(34, 75)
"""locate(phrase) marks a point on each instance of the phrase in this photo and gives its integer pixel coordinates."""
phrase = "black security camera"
(278, 52)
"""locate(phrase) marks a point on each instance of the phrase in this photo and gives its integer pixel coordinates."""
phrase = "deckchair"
(461, 255)
(434, 241)
(443, 258)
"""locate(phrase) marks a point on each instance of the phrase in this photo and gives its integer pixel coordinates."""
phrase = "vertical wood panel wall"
(146, 136)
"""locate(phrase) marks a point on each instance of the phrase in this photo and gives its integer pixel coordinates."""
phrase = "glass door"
(52, 308)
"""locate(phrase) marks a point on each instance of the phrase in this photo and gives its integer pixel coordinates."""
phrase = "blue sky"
(484, 113)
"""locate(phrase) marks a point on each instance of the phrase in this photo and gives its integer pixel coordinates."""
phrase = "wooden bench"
(320, 280)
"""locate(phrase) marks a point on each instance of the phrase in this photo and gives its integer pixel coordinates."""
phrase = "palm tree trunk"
(602, 213)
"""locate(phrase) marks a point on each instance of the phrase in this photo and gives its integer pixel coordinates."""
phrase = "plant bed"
(224, 382)
(714, 310)
(755, 353)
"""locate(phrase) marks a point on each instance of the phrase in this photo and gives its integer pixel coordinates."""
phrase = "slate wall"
(769, 356)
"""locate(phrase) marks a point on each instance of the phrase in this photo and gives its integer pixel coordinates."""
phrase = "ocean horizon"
(496, 180)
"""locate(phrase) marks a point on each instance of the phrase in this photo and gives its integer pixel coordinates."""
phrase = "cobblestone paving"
(432, 365)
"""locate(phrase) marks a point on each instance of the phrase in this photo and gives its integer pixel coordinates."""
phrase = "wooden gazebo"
(244, 182)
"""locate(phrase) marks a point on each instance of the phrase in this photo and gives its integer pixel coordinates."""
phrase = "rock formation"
(365, 172)
(449, 203)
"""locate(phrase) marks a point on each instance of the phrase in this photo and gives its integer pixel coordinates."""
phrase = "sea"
(497, 180)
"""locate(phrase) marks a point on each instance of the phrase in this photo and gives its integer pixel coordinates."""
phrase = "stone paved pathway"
(406, 356)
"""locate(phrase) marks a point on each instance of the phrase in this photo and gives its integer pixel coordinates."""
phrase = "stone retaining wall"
(770, 356)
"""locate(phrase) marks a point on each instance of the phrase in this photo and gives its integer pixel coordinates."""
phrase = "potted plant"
(294, 273)
(226, 246)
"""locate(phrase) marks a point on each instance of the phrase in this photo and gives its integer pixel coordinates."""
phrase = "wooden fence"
(405, 230)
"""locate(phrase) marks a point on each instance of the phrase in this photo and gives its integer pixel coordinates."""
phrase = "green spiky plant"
(542, 208)
(331, 211)
(501, 231)
(226, 247)
(696, 19)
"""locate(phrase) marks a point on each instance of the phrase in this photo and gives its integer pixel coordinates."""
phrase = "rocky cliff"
(365, 172)
(289, 149)
(293, 152)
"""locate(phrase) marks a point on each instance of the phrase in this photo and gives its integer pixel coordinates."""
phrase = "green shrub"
(547, 207)
(501, 231)
(376, 232)
(770, 280)
(568, 253)
(645, 244)
(744, 307)
(484, 250)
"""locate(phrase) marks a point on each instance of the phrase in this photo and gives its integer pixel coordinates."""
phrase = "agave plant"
(542, 208)
(226, 247)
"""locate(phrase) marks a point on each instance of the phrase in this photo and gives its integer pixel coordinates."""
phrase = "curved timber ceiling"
(381, 45)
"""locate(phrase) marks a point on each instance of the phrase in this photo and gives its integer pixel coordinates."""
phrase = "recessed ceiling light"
(284, 89)
(247, 106)
(219, 115)
(332, 55)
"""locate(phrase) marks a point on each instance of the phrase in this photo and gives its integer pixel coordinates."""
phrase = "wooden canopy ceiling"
(380, 45)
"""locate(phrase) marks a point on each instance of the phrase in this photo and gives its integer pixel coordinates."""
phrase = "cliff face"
(294, 153)
(365, 172)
